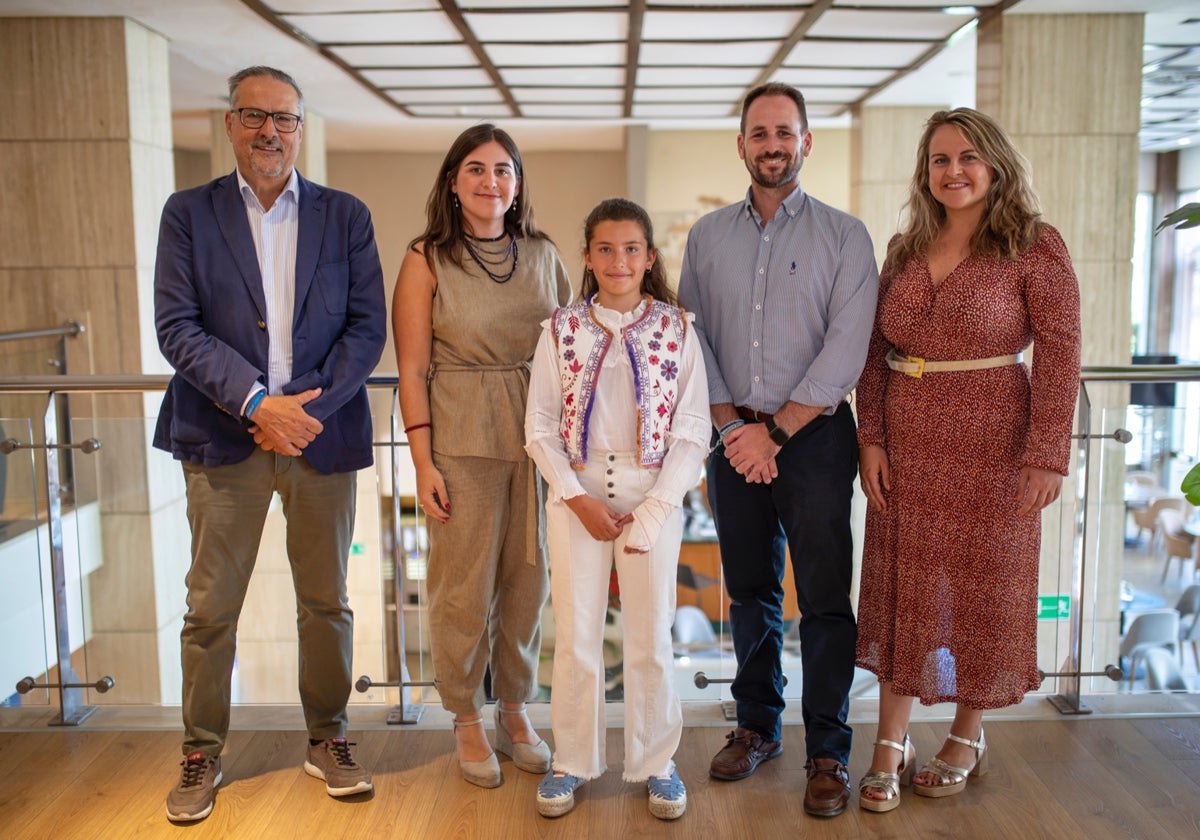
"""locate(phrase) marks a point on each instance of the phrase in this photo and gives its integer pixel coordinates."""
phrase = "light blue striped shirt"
(275, 232)
(785, 308)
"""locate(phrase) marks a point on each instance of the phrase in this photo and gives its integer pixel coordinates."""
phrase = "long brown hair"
(1011, 216)
(444, 227)
(654, 281)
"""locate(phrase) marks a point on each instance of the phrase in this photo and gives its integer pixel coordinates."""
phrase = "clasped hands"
(602, 522)
(281, 424)
(752, 453)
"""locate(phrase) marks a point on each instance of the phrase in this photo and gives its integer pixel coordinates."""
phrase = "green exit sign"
(1054, 607)
(357, 549)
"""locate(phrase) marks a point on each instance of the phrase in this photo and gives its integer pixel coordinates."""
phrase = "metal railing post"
(72, 710)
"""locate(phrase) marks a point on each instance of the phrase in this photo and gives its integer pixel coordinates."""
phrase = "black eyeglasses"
(285, 123)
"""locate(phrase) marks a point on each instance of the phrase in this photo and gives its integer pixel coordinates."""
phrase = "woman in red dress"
(960, 448)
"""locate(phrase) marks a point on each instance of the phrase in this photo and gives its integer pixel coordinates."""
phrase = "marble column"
(85, 148)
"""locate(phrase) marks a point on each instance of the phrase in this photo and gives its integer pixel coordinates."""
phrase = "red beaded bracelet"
(416, 426)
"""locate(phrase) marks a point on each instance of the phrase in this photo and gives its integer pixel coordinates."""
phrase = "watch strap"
(777, 434)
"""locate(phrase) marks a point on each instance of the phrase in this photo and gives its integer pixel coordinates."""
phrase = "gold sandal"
(951, 779)
(889, 783)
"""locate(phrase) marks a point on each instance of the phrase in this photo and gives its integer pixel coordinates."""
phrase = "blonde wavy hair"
(1011, 218)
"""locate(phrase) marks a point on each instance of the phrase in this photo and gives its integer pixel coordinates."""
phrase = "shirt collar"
(791, 205)
(292, 189)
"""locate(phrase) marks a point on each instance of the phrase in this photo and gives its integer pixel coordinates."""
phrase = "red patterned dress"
(947, 606)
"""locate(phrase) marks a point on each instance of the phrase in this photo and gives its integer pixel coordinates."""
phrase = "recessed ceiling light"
(959, 10)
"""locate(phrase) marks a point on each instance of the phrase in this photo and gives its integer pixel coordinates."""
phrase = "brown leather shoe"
(828, 788)
(742, 753)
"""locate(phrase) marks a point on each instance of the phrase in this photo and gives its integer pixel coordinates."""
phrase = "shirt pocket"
(333, 281)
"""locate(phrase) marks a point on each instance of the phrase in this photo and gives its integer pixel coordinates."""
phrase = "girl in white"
(618, 423)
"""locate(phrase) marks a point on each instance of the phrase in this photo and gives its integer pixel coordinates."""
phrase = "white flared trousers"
(580, 567)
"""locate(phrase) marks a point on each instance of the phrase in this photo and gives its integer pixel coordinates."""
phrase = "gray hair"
(262, 70)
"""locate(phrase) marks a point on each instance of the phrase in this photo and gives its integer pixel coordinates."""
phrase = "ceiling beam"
(263, 11)
(450, 7)
(806, 23)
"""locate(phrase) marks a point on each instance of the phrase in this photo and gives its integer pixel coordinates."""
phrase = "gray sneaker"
(192, 799)
(332, 761)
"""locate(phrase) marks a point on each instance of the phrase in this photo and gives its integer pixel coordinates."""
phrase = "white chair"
(1189, 620)
(692, 632)
(1146, 518)
(1151, 629)
(1162, 672)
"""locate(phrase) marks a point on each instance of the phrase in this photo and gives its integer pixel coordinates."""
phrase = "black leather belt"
(752, 416)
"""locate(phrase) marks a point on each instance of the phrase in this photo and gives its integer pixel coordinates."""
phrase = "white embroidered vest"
(654, 343)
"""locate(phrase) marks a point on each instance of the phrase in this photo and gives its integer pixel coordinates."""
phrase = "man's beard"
(785, 176)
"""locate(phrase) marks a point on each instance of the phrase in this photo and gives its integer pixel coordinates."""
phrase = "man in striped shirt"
(268, 298)
(784, 290)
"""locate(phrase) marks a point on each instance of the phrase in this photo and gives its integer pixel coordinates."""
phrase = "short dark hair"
(262, 70)
(776, 89)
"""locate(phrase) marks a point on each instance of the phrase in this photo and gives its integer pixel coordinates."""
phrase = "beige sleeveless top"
(484, 335)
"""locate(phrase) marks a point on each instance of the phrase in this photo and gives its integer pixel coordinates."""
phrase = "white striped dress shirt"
(785, 307)
(275, 233)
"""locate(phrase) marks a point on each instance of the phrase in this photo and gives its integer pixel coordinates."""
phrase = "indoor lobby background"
(88, 154)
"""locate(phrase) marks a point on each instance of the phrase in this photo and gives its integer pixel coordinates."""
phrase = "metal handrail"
(1140, 373)
(115, 383)
(70, 328)
(156, 382)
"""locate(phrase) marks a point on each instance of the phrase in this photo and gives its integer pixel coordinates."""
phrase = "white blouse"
(612, 425)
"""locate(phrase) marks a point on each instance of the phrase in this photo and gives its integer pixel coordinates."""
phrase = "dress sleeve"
(1052, 299)
(872, 384)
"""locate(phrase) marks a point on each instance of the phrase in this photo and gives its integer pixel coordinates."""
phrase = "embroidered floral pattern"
(653, 342)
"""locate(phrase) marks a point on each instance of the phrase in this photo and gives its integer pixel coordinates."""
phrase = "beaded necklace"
(485, 258)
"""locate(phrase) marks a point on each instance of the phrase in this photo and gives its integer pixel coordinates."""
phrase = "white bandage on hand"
(648, 519)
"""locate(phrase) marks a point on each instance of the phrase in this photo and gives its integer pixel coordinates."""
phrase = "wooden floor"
(1066, 778)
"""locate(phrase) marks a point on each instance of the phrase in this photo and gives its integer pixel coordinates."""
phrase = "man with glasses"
(269, 304)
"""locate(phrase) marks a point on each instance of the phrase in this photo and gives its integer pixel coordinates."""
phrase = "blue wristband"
(254, 403)
(729, 427)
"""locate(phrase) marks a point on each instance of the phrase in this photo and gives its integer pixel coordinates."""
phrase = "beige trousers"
(487, 582)
(226, 507)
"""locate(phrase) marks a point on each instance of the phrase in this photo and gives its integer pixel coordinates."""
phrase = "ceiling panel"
(569, 94)
(555, 55)
(552, 28)
(446, 96)
(736, 23)
(854, 54)
(734, 53)
(861, 23)
(407, 55)
(423, 77)
(677, 59)
(583, 76)
(376, 27)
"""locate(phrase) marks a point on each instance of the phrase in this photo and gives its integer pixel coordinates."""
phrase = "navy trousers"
(806, 509)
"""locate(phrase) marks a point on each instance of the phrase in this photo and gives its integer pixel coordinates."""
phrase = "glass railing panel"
(26, 626)
(1148, 591)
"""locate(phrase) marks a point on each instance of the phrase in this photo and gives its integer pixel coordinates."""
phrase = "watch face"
(777, 435)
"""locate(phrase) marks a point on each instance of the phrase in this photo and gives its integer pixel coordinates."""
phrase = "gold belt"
(915, 366)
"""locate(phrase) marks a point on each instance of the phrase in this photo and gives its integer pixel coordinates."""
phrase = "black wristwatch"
(777, 434)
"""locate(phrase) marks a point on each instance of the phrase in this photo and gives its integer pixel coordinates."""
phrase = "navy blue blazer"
(210, 315)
